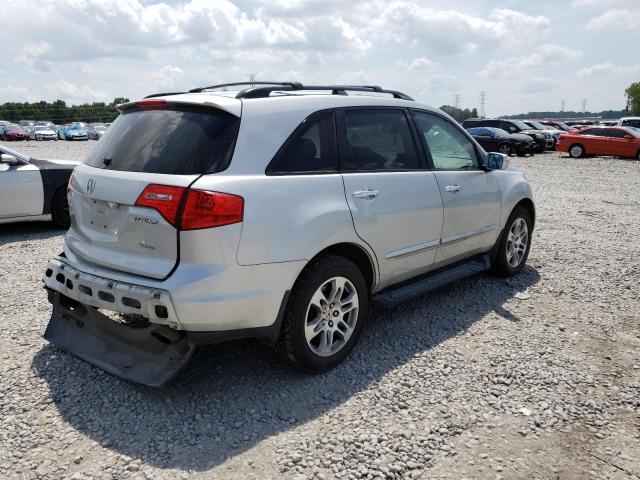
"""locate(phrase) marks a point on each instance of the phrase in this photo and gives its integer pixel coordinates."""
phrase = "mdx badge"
(91, 185)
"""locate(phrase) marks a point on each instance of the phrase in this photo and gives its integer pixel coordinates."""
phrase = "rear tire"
(325, 315)
(576, 151)
(60, 209)
(514, 244)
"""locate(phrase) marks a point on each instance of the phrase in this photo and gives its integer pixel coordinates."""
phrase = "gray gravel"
(532, 377)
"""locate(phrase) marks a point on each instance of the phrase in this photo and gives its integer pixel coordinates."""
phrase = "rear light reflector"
(202, 209)
(211, 209)
(164, 199)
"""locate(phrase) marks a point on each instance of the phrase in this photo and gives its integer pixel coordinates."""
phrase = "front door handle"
(452, 188)
(365, 194)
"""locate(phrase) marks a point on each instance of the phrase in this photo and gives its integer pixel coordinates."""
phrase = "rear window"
(182, 141)
(635, 123)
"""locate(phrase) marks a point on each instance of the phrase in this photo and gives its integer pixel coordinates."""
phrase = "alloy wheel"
(331, 316)
(517, 242)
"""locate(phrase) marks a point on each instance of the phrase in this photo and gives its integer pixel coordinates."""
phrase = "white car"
(32, 189)
(42, 133)
(273, 211)
(633, 122)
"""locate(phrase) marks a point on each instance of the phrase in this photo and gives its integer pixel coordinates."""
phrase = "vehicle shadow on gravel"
(235, 395)
(21, 231)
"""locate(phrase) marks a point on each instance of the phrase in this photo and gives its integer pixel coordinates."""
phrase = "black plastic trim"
(268, 334)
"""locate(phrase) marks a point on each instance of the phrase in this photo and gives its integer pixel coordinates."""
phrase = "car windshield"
(538, 126)
(632, 131)
(498, 132)
(521, 125)
(41, 128)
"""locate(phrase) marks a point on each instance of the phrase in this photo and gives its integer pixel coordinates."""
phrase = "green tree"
(633, 98)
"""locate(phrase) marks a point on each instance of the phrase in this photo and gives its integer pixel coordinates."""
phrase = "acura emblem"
(91, 185)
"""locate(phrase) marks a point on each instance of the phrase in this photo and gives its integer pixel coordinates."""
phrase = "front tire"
(514, 245)
(325, 315)
(505, 149)
(60, 209)
(576, 151)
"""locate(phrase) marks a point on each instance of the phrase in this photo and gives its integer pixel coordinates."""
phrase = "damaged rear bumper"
(150, 354)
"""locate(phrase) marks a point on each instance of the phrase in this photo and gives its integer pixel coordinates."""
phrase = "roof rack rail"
(266, 88)
(237, 84)
(261, 92)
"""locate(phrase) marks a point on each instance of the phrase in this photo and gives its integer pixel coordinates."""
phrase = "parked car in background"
(72, 132)
(279, 218)
(41, 132)
(543, 140)
(609, 123)
(13, 132)
(556, 124)
(555, 132)
(95, 133)
(32, 189)
(629, 122)
(607, 141)
(573, 123)
(498, 140)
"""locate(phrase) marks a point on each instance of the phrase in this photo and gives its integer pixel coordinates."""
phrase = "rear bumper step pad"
(152, 355)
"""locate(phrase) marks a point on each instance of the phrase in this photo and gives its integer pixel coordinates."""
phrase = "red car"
(14, 133)
(609, 141)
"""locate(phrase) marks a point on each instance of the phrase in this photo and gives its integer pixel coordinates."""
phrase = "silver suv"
(275, 211)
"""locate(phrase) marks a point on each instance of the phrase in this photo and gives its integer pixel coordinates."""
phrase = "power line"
(584, 106)
(562, 104)
(457, 100)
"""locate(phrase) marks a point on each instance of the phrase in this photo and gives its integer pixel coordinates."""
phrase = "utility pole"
(483, 103)
(457, 100)
(562, 106)
(252, 78)
(584, 106)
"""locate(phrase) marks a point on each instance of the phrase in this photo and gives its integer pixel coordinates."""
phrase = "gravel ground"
(533, 377)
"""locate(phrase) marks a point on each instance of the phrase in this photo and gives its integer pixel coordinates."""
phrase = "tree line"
(59, 112)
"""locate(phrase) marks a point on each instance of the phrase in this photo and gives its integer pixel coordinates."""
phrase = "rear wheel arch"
(354, 253)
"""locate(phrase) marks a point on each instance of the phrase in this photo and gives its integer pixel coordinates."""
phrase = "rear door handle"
(452, 188)
(365, 194)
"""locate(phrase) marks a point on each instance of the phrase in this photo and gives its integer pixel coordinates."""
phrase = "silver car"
(276, 211)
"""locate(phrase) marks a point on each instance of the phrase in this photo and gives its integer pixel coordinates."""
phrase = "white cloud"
(609, 69)
(450, 32)
(616, 19)
(544, 56)
(420, 63)
(74, 93)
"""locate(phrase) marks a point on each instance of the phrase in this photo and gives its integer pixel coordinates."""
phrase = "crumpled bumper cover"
(151, 355)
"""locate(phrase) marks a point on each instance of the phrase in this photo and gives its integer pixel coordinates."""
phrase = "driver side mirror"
(497, 161)
(8, 159)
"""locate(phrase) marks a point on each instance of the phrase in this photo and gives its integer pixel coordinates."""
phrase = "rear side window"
(635, 123)
(378, 140)
(311, 148)
(182, 141)
(614, 132)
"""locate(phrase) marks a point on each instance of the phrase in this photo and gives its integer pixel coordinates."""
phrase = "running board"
(397, 295)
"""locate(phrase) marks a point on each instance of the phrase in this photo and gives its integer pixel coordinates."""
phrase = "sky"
(526, 55)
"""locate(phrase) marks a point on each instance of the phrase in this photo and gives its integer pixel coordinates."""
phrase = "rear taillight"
(211, 209)
(164, 199)
(201, 209)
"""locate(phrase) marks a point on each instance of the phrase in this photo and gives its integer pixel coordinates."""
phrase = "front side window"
(378, 140)
(450, 148)
(312, 148)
